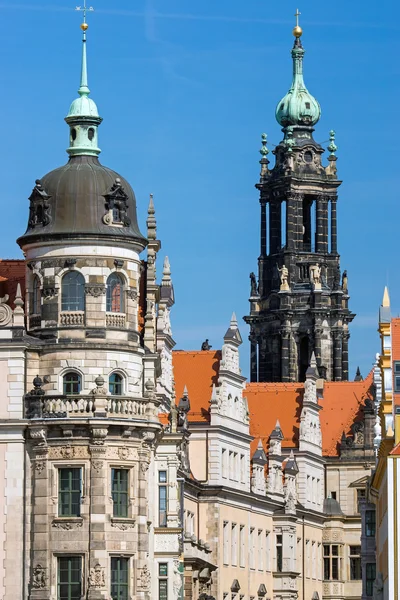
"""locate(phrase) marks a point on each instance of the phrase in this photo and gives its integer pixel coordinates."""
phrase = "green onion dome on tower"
(298, 106)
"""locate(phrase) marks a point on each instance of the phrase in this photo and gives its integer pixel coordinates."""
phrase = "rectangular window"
(242, 547)
(314, 561)
(267, 551)
(162, 498)
(279, 554)
(224, 463)
(260, 550)
(243, 468)
(226, 543)
(333, 495)
(119, 492)
(119, 578)
(252, 548)
(163, 581)
(231, 466)
(331, 562)
(370, 523)
(69, 492)
(69, 578)
(234, 545)
(355, 562)
(396, 369)
(308, 559)
(235, 474)
(370, 578)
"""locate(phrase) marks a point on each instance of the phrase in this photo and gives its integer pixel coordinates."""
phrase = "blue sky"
(185, 90)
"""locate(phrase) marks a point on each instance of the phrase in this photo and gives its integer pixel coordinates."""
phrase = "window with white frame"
(234, 544)
(242, 548)
(308, 489)
(267, 550)
(226, 543)
(243, 468)
(260, 550)
(279, 553)
(319, 557)
(224, 463)
(162, 498)
(252, 548)
(308, 558)
(332, 562)
(162, 581)
(313, 560)
(231, 465)
(396, 375)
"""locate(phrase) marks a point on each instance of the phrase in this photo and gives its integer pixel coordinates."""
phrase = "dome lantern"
(83, 117)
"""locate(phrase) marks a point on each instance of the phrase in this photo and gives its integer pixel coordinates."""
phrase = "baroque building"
(90, 497)
(299, 305)
(135, 472)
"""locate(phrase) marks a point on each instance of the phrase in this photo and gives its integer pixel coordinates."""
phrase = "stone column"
(275, 225)
(40, 494)
(345, 356)
(319, 228)
(298, 199)
(263, 228)
(337, 355)
(291, 226)
(144, 572)
(324, 224)
(253, 359)
(317, 345)
(333, 226)
(98, 560)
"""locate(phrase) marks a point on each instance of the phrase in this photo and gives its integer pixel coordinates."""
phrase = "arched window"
(35, 304)
(72, 383)
(73, 291)
(115, 384)
(115, 293)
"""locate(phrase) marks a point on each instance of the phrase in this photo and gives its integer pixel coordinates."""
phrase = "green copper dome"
(298, 107)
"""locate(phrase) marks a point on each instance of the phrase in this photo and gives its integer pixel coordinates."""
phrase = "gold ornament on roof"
(297, 31)
(84, 26)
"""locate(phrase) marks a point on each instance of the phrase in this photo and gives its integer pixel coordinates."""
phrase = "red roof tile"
(198, 371)
(269, 402)
(12, 272)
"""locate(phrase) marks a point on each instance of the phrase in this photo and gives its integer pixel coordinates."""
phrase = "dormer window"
(117, 206)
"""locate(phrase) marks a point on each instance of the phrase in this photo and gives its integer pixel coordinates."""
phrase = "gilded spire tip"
(297, 30)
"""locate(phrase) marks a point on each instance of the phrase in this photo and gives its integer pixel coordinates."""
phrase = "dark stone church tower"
(300, 303)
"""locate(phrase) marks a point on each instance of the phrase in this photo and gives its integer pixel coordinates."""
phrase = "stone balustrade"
(115, 320)
(86, 406)
(72, 318)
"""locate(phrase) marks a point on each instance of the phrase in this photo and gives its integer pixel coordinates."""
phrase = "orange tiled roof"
(396, 338)
(12, 272)
(269, 402)
(198, 371)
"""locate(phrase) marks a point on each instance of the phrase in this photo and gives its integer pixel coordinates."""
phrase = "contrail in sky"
(193, 17)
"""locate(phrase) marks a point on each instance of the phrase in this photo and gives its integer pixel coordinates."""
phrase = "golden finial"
(297, 31)
(84, 9)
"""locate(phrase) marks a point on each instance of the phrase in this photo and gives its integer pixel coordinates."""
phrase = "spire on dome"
(83, 116)
(298, 107)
